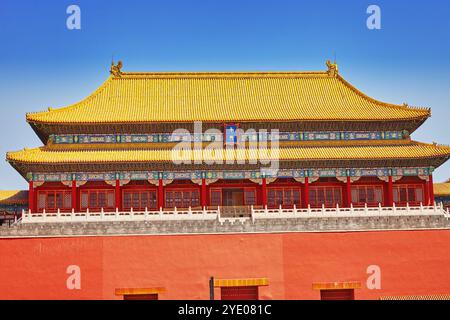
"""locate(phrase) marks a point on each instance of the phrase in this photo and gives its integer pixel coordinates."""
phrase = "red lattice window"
(97, 199)
(283, 196)
(372, 195)
(328, 196)
(250, 197)
(411, 194)
(182, 198)
(139, 200)
(239, 293)
(216, 197)
(52, 200)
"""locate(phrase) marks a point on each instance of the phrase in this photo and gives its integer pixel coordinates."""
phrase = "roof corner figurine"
(333, 69)
(116, 70)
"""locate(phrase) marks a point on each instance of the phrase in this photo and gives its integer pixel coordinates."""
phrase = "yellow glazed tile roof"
(442, 189)
(336, 285)
(414, 150)
(136, 291)
(232, 96)
(250, 282)
(13, 196)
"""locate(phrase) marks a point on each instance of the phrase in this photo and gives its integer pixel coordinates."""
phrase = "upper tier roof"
(128, 97)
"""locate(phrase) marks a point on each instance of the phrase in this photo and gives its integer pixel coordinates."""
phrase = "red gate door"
(239, 293)
(152, 296)
(339, 294)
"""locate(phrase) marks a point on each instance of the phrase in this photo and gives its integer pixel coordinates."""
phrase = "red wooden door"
(239, 293)
(233, 197)
(340, 294)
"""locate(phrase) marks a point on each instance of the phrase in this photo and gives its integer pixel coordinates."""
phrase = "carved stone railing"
(365, 211)
(236, 211)
(161, 215)
(215, 213)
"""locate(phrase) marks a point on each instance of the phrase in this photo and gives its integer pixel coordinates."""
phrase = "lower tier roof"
(434, 155)
(411, 150)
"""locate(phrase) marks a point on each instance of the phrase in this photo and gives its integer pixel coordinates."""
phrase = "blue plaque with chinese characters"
(230, 134)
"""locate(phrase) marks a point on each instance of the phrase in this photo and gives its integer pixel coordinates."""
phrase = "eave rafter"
(24, 169)
(44, 130)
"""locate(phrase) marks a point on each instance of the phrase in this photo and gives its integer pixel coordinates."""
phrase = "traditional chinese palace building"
(262, 180)
(336, 146)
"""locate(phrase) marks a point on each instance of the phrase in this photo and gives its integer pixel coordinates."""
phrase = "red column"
(118, 200)
(348, 192)
(204, 202)
(31, 197)
(160, 194)
(431, 189)
(74, 196)
(306, 193)
(390, 193)
(264, 192)
(426, 197)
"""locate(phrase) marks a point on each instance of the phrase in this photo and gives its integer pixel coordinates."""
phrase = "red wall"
(411, 262)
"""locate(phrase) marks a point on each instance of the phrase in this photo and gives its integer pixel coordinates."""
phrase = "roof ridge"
(219, 73)
(386, 104)
(433, 144)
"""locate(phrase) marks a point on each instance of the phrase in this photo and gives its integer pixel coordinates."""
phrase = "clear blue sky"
(44, 64)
